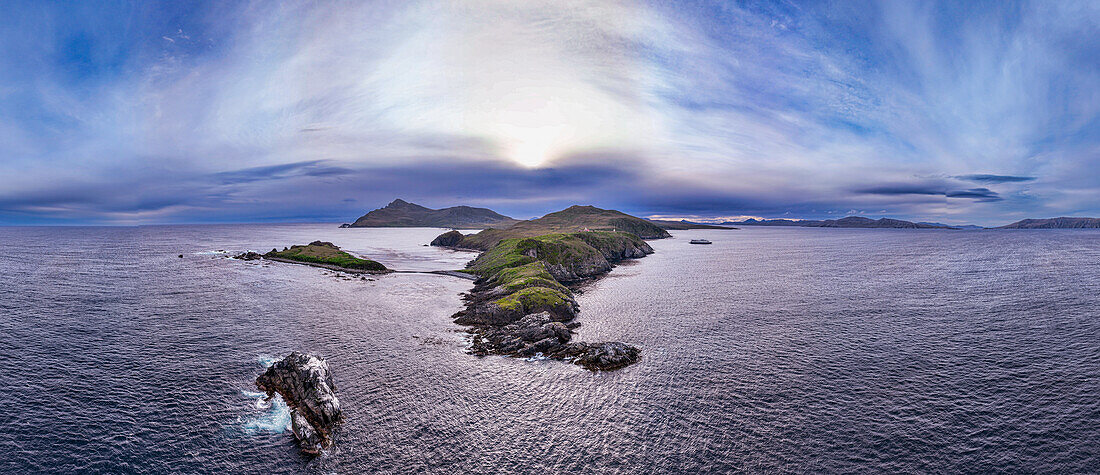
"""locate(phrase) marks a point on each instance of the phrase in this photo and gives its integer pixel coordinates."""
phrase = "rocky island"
(521, 304)
(321, 254)
(305, 384)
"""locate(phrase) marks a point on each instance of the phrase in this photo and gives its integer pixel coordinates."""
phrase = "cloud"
(314, 168)
(978, 194)
(996, 178)
(284, 110)
(902, 190)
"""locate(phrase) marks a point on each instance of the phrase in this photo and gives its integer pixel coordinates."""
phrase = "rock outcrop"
(447, 239)
(248, 256)
(305, 384)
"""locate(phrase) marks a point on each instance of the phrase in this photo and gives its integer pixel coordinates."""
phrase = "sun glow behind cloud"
(523, 80)
(918, 109)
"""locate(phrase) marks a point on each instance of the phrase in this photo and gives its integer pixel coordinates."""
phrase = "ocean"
(780, 350)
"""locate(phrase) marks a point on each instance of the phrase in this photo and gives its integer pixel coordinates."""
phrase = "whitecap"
(270, 416)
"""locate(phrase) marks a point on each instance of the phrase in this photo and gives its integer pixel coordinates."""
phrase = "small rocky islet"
(306, 385)
(319, 254)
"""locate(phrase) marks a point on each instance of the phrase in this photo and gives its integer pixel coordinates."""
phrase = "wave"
(267, 416)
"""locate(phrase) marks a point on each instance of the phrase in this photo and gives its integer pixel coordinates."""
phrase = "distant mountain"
(571, 219)
(401, 213)
(962, 226)
(848, 222)
(685, 224)
(1055, 223)
(775, 222)
(861, 222)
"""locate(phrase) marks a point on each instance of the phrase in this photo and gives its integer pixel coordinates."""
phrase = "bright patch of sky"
(116, 112)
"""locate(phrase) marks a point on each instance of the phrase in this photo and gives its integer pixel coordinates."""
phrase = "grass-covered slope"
(519, 304)
(569, 220)
(566, 256)
(319, 252)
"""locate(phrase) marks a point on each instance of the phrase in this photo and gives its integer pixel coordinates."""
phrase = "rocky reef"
(304, 382)
(249, 256)
(521, 304)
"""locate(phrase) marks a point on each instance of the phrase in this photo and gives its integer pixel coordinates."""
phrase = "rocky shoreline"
(521, 304)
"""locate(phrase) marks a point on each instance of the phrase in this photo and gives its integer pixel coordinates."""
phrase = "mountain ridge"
(401, 213)
(575, 218)
(1054, 223)
(846, 222)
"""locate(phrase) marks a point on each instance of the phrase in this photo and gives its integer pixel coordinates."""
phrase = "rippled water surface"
(779, 350)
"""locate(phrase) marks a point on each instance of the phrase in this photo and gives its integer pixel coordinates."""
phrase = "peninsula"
(521, 303)
(400, 213)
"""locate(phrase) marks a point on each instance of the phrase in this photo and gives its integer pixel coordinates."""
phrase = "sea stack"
(304, 382)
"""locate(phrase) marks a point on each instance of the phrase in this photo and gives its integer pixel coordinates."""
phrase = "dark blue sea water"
(772, 350)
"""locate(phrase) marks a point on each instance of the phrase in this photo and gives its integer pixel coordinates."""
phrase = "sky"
(187, 112)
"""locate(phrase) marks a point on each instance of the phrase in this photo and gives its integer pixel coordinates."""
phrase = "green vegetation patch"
(326, 253)
(528, 275)
(504, 255)
(520, 266)
(537, 299)
(565, 249)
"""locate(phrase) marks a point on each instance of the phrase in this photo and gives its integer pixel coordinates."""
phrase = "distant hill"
(775, 222)
(1055, 223)
(848, 222)
(960, 226)
(571, 219)
(685, 224)
(401, 213)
